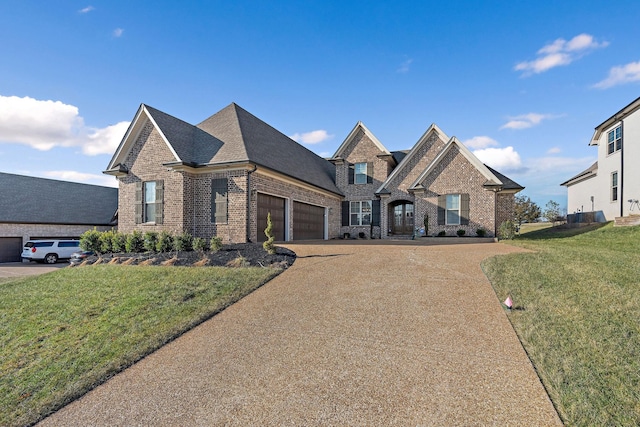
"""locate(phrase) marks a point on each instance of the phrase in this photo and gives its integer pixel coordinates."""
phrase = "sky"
(522, 83)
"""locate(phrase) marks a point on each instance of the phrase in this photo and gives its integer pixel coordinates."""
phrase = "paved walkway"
(376, 334)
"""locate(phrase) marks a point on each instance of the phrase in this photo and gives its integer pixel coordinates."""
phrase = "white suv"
(49, 251)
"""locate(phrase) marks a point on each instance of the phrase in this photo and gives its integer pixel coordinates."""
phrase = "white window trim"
(447, 210)
(356, 174)
(614, 141)
(614, 188)
(359, 213)
(145, 204)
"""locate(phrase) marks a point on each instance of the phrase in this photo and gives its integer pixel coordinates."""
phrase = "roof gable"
(359, 126)
(431, 131)
(492, 179)
(590, 172)
(32, 200)
(629, 109)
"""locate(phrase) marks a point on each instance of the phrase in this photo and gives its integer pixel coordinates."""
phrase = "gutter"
(621, 198)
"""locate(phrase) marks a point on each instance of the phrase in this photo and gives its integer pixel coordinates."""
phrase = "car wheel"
(51, 258)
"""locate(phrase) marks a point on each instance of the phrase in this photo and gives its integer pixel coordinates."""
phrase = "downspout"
(621, 198)
(248, 227)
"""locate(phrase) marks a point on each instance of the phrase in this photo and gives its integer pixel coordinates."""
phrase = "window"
(361, 173)
(219, 201)
(453, 209)
(149, 202)
(614, 140)
(614, 186)
(360, 213)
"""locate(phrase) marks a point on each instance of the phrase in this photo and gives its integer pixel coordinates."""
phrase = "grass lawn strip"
(581, 320)
(65, 332)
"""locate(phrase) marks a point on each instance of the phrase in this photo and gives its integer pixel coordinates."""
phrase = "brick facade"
(35, 231)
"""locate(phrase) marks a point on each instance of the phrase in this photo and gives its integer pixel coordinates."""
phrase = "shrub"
(215, 244)
(481, 232)
(164, 243)
(442, 233)
(460, 232)
(507, 230)
(150, 241)
(199, 244)
(135, 242)
(268, 244)
(118, 242)
(106, 238)
(90, 241)
(361, 235)
(183, 242)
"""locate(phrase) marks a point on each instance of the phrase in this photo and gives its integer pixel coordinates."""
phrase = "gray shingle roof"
(31, 200)
(591, 171)
(508, 184)
(235, 135)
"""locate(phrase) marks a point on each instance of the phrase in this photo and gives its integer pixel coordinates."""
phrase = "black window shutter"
(464, 209)
(159, 201)
(345, 213)
(370, 173)
(138, 205)
(375, 212)
(352, 173)
(219, 200)
(442, 209)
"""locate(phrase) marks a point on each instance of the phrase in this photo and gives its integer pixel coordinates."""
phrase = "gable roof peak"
(352, 135)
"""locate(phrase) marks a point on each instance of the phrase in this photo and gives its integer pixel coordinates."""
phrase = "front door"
(402, 218)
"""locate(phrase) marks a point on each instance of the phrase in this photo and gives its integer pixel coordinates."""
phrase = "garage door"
(10, 249)
(275, 205)
(308, 221)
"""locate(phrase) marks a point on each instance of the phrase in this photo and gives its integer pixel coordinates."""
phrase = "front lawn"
(65, 332)
(577, 313)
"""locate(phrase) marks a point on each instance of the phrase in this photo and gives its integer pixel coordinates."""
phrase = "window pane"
(610, 137)
(614, 178)
(366, 207)
(366, 219)
(618, 132)
(354, 219)
(361, 173)
(150, 192)
(355, 207)
(453, 201)
(150, 212)
(453, 218)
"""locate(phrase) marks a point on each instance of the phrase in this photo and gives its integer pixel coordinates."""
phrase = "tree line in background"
(526, 210)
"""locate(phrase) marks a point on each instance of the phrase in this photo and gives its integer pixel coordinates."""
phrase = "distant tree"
(552, 211)
(525, 210)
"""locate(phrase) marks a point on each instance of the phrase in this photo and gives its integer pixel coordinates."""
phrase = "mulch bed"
(234, 255)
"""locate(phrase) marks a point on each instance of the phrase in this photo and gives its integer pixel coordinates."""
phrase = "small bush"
(90, 241)
(150, 241)
(165, 242)
(118, 242)
(507, 230)
(135, 242)
(183, 242)
(199, 244)
(460, 232)
(215, 244)
(481, 232)
(442, 233)
(106, 238)
(268, 244)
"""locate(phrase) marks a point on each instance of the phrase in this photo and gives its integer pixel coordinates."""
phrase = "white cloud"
(525, 121)
(502, 159)
(313, 137)
(404, 67)
(478, 142)
(554, 150)
(560, 52)
(44, 125)
(118, 32)
(620, 75)
(86, 9)
(85, 178)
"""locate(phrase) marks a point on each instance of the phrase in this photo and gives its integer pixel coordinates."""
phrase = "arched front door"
(401, 217)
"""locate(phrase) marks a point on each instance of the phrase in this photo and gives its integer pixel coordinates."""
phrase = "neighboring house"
(611, 186)
(37, 208)
(222, 176)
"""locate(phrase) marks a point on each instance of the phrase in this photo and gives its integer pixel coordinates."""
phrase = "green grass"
(578, 317)
(64, 332)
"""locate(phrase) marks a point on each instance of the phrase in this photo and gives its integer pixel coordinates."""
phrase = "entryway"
(401, 218)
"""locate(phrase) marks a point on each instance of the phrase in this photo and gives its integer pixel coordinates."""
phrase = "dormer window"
(614, 140)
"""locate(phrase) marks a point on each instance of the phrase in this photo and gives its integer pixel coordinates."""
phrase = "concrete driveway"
(352, 334)
(20, 269)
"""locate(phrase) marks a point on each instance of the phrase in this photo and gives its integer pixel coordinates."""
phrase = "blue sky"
(523, 84)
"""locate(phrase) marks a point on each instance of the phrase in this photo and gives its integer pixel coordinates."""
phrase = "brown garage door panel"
(275, 205)
(308, 221)
(10, 249)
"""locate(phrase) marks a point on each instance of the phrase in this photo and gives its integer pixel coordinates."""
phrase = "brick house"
(222, 176)
(38, 208)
